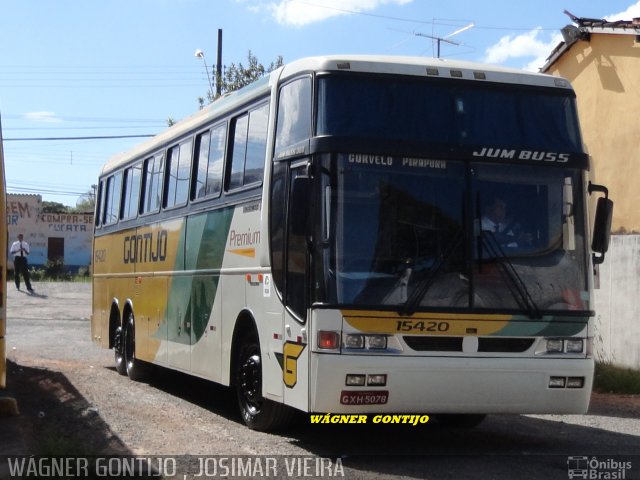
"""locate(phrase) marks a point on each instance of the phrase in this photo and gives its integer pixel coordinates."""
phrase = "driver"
(495, 220)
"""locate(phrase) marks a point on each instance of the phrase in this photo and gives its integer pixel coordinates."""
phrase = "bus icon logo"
(578, 467)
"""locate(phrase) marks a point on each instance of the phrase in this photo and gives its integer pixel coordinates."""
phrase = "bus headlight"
(376, 342)
(575, 346)
(354, 341)
(555, 345)
(369, 342)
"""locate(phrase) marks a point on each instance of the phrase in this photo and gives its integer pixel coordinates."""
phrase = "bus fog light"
(575, 346)
(377, 380)
(354, 341)
(575, 382)
(555, 345)
(557, 382)
(355, 380)
(328, 340)
(377, 342)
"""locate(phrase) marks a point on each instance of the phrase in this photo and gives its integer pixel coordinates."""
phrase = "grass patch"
(612, 379)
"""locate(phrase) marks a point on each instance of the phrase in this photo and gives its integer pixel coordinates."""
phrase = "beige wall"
(75, 230)
(605, 73)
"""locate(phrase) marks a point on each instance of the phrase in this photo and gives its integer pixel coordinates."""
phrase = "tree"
(54, 207)
(238, 76)
(87, 201)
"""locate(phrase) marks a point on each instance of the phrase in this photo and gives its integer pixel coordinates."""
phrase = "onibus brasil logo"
(593, 468)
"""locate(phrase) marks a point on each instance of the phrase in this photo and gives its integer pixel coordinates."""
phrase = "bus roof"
(420, 66)
(399, 65)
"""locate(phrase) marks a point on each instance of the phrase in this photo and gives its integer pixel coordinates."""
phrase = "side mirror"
(602, 224)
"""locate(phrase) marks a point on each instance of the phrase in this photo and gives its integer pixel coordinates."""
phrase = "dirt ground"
(47, 375)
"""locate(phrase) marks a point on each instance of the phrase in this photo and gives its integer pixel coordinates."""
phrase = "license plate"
(373, 397)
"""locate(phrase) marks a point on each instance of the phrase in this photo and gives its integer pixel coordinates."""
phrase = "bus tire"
(118, 349)
(257, 412)
(135, 368)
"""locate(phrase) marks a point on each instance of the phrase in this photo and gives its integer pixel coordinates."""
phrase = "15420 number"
(421, 326)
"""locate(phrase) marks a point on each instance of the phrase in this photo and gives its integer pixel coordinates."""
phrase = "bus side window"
(209, 159)
(200, 154)
(178, 170)
(131, 192)
(249, 147)
(256, 144)
(99, 205)
(112, 199)
(152, 176)
(294, 113)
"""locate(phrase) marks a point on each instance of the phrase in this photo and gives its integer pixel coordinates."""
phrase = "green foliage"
(612, 379)
(54, 207)
(55, 270)
(238, 76)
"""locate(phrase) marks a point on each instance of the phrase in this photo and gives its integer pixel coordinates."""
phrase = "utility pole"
(219, 65)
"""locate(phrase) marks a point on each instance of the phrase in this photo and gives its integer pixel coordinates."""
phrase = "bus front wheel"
(257, 412)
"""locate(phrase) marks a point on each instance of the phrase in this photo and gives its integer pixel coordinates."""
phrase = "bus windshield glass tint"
(427, 110)
(413, 233)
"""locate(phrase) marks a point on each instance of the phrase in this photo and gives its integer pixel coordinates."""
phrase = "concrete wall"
(617, 303)
(24, 215)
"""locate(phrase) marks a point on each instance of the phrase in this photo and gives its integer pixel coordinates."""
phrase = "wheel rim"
(118, 349)
(250, 381)
(129, 345)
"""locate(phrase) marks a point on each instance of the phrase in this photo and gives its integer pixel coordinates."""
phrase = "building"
(51, 236)
(602, 61)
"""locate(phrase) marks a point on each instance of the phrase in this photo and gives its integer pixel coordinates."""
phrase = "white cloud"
(45, 117)
(537, 45)
(529, 45)
(630, 13)
(298, 13)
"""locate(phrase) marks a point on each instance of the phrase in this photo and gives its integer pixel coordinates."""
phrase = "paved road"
(176, 415)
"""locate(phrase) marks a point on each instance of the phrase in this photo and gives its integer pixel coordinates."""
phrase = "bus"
(3, 271)
(317, 242)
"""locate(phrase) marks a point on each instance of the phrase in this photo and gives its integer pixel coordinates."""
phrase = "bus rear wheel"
(118, 349)
(135, 368)
(257, 412)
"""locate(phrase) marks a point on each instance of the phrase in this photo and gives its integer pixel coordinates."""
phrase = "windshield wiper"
(516, 286)
(429, 276)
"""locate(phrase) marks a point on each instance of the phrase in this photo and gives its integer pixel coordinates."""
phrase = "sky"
(78, 68)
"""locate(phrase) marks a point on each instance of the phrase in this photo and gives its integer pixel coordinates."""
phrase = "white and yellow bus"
(317, 240)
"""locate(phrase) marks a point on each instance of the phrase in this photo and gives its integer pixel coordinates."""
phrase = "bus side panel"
(206, 237)
(150, 308)
(206, 317)
(296, 363)
(112, 280)
(100, 313)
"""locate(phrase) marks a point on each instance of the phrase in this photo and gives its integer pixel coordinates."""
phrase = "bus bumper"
(449, 385)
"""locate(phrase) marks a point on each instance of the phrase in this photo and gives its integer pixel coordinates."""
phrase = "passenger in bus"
(20, 250)
(505, 230)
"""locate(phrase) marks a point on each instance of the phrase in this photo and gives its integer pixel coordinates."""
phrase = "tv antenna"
(446, 38)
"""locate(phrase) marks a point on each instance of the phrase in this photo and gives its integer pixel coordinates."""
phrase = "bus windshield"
(412, 234)
(433, 110)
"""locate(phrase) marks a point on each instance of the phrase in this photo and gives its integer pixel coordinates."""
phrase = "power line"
(96, 137)
(413, 20)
